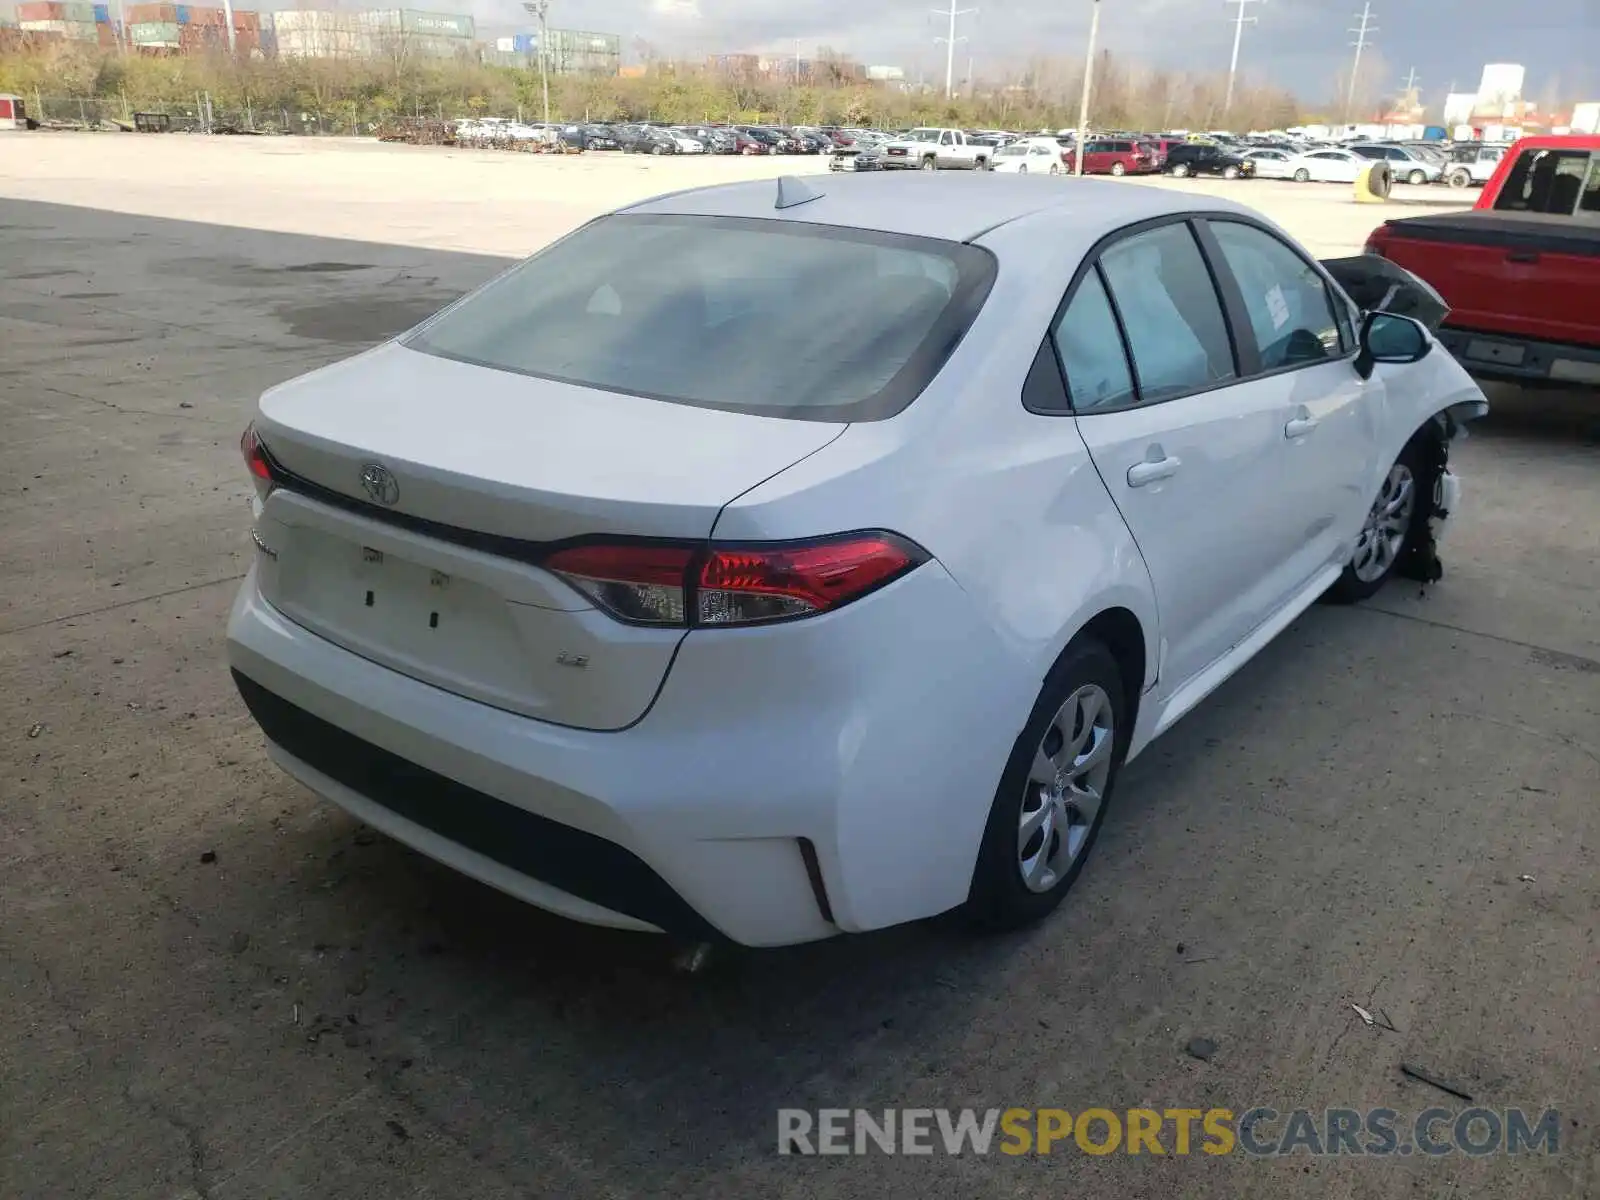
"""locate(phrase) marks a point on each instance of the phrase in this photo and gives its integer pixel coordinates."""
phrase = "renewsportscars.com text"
(1257, 1131)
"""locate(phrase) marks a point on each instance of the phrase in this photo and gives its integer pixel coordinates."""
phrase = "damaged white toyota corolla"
(756, 564)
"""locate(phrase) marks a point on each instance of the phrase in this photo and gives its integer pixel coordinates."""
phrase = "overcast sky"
(1300, 43)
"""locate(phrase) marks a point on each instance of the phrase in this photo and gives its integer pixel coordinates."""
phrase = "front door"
(1188, 453)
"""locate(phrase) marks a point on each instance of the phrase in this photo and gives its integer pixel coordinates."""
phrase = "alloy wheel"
(1387, 524)
(1065, 787)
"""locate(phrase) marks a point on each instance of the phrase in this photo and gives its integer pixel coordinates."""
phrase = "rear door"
(1189, 455)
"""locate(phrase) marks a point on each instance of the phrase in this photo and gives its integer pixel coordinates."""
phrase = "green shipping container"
(154, 33)
(78, 14)
(437, 24)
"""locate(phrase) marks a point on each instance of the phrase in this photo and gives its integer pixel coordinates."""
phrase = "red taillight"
(686, 585)
(255, 455)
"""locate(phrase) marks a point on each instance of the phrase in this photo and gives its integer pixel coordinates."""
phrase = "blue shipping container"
(1435, 133)
(525, 43)
(183, 14)
(102, 14)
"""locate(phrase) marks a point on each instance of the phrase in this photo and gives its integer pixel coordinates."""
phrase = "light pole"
(1088, 86)
(540, 9)
(1238, 36)
(1363, 32)
(950, 45)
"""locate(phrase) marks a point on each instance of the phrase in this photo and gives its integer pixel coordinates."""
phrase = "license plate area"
(1504, 353)
(399, 611)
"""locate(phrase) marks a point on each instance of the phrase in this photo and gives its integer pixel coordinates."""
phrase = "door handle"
(1149, 472)
(1300, 426)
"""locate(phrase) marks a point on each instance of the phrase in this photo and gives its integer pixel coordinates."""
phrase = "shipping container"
(154, 33)
(525, 43)
(72, 31)
(431, 24)
(247, 20)
(193, 14)
(151, 14)
(81, 13)
(38, 11)
(102, 14)
(505, 45)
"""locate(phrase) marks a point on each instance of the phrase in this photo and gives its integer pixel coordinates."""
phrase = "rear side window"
(1545, 181)
(1091, 350)
(1291, 313)
(1589, 202)
(1170, 311)
(769, 317)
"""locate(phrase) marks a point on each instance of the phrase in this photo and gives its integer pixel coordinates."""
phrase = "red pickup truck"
(1521, 271)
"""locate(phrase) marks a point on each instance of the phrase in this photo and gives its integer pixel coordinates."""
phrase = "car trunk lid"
(418, 495)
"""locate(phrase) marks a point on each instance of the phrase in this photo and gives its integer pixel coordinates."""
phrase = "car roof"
(955, 207)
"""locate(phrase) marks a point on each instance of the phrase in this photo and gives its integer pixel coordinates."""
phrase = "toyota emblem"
(379, 484)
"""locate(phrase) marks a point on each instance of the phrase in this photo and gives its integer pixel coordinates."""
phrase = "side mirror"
(1391, 338)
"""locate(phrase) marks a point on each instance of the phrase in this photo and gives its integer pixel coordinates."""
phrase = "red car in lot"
(1115, 156)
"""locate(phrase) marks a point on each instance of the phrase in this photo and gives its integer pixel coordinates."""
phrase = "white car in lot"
(1031, 156)
(1326, 166)
(580, 589)
(1272, 164)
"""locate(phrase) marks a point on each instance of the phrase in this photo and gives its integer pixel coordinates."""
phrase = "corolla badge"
(379, 484)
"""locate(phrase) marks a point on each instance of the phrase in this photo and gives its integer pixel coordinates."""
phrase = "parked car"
(937, 150)
(600, 137)
(1521, 271)
(1271, 164)
(859, 156)
(771, 142)
(1114, 156)
(716, 139)
(1473, 165)
(1206, 158)
(1327, 166)
(1409, 165)
(1031, 157)
(647, 139)
(766, 647)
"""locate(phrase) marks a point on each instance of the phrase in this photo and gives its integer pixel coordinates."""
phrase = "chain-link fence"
(202, 116)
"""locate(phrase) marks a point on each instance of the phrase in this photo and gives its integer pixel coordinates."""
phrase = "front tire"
(1181, 171)
(1230, 172)
(1302, 176)
(930, 164)
(1053, 792)
(1460, 179)
(1055, 168)
(1023, 169)
(1417, 177)
(1397, 519)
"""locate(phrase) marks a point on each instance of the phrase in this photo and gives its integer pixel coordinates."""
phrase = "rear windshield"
(770, 317)
(1550, 181)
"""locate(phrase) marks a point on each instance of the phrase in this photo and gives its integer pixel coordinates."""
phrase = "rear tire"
(1460, 179)
(1023, 169)
(1181, 171)
(1041, 830)
(1055, 168)
(1397, 519)
(1118, 170)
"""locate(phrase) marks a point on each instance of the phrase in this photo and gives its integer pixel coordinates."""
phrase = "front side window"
(1291, 313)
(769, 317)
(1170, 312)
(1090, 346)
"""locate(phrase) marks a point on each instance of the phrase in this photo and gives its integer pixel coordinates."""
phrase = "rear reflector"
(689, 585)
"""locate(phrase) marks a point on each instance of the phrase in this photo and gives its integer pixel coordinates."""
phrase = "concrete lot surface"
(217, 986)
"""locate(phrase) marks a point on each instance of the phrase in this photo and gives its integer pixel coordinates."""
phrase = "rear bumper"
(1521, 359)
(776, 793)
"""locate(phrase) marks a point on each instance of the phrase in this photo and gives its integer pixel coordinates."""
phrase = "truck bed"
(1536, 232)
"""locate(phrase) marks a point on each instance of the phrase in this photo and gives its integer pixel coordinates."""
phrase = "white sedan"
(580, 589)
(1030, 157)
(1326, 166)
(1272, 164)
